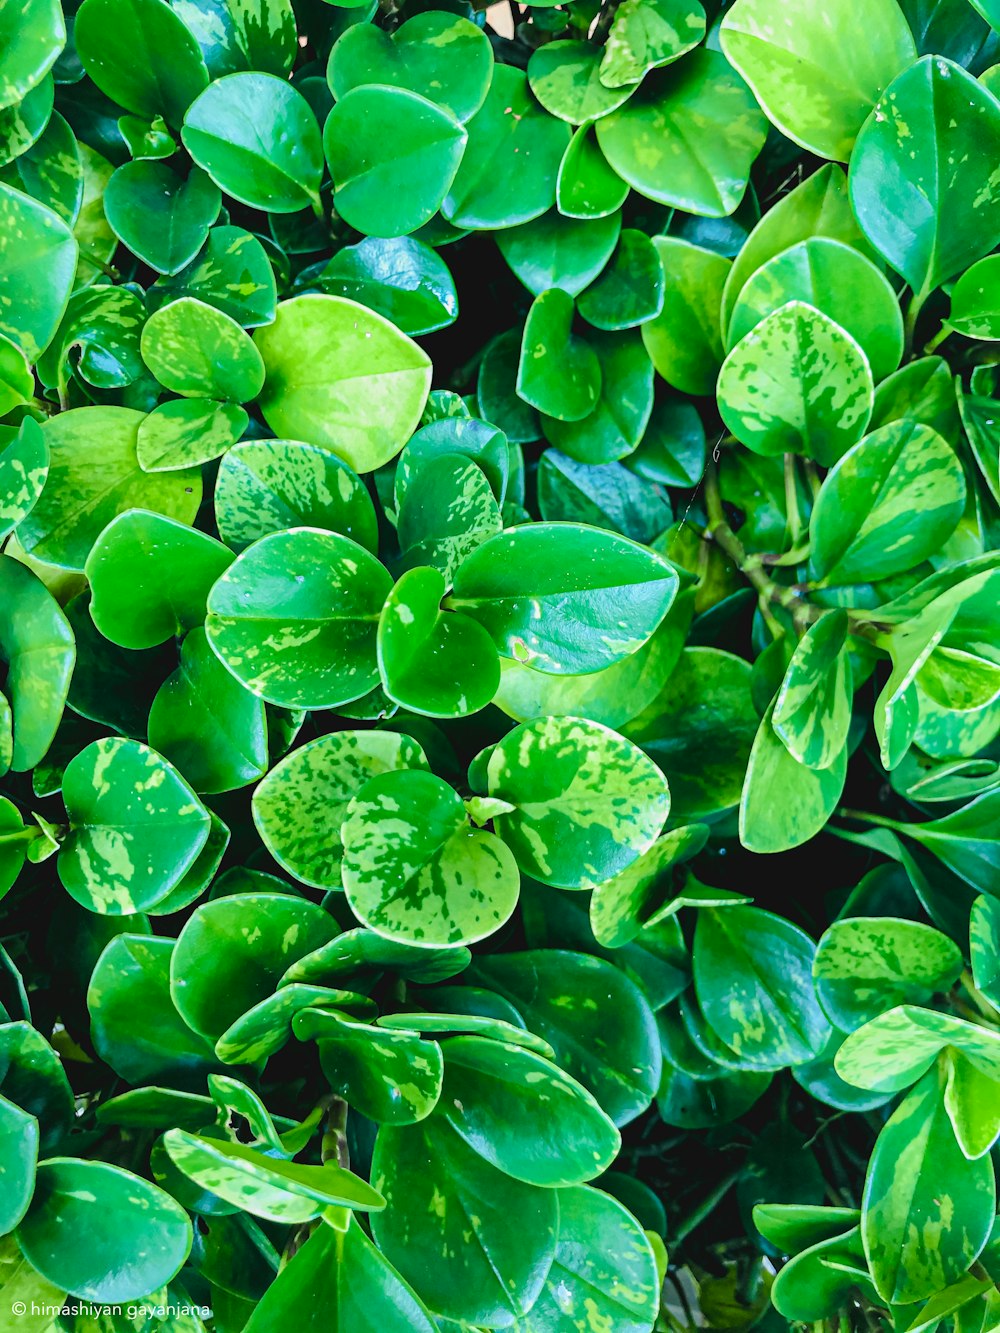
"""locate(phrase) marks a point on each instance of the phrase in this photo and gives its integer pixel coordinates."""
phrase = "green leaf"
(818, 206)
(927, 1210)
(37, 645)
(587, 802)
(31, 39)
(684, 340)
(300, 806)
(566, 77)
(18, 1158)
(554, 251)
(965, 840)
(603, 1269)
(509, 167)
(358, 953)
(945, 189)
(970, 1098)
(596, 1020)
(231, 272)
(564, 598)
(586, 186)
(638, 895)
(212, 985)
(468, 437)
(98, 338)
(439, 55)
(699, 730)
(605, 495)
(94, 476)
(236, 35)
(14, 841)
(277, 1191)
(132, 976)
(197, 351)
(630, 291)
(784, 802)
(137, 1236)
(141, 55)
(439, 663)
(975, 301)
(135, 827)
(446, 511)
(399, 278)
(295, 618)
(392, 1077)
(258, 139)
(753, 978)
(812, 713)
(150, 578)
(494, 1094)
(797, 383)
(625, 402)
(264, 486)
(413, 868)
(649, 144)
(984, 936)
(343, 1274)
(896, 1048)
(37, 265)
(21, 125)
(267, 1025)
(888, 503)
(837, 280)
(645, 35)
(186, 432)
(866, 965)
(206, 724)
(493, 1275)
(817, 87)
(161, 217)
(393, 156)
(341, 376)
(559, 372)
(51, 170)
(16, 382)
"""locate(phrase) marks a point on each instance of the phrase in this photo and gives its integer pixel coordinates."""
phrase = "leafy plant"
(499, 666)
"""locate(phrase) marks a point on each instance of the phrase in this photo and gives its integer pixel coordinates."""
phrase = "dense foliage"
(500, 666)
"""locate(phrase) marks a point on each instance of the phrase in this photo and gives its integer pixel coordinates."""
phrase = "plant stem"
(943, 332)
(604, 20)
(910, 321)
(863, 817)
(751, 566)
(792, 513)
(334, 1146)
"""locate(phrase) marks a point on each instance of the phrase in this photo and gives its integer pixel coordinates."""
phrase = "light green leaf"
(37, 264)
(415, 870)
(649, 144)
(648, 33)
(812, 713)
(797, 383)
(38, 647)
(948, 189)
(295, 618)
(341, 376)
(784, 803)
(135, 827)
(300, 806)
(815, 85)
(197, 351)
(150, 578)
(927, 1210)
(564, 598)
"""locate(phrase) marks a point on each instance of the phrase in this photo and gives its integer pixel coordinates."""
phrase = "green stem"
(910, 320)
(707, 1205)
(863, 817)
(792, 513)
(978, 998)
(813, 478)
(751, 566)
(943, 332)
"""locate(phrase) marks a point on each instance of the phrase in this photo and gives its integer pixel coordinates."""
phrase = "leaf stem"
(863, 817)
(792, 512)
(945, 331)
(910, 321)
(751, 566)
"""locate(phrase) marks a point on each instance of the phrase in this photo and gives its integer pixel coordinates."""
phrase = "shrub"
(501, 672)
